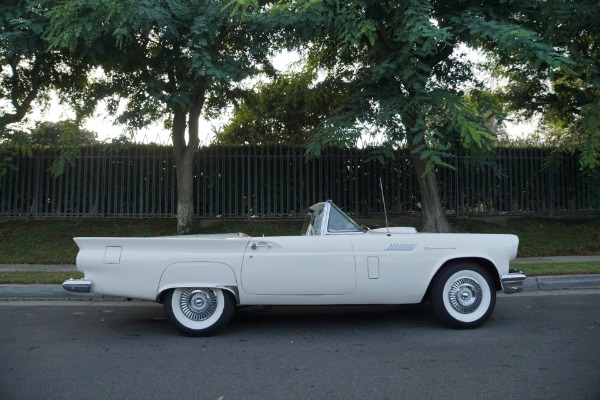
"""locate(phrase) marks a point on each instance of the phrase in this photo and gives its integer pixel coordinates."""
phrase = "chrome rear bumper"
(77, 285)
(512, 282)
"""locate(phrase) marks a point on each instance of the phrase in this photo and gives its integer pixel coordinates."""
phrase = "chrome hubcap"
(198, 304)
(465, 295)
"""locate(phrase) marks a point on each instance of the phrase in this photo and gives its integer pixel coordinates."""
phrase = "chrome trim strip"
(513, 282)
(401, 247)
(256, 245)
(77, 285)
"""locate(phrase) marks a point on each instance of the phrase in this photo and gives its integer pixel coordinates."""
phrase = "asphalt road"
(538, 345)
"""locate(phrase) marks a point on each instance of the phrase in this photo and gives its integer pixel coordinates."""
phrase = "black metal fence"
(276, 181)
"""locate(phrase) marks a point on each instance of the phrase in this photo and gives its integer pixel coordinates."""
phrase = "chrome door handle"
(257, 245)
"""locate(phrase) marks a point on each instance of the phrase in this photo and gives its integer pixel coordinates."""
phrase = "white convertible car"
(200, 279)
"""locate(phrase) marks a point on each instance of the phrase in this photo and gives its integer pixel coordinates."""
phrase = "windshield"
(337, 221)
(340, 222)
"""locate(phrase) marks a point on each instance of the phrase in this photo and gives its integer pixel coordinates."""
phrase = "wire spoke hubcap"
(465, 295)
(198, 304)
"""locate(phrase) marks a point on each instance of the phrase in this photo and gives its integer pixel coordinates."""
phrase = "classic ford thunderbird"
(200, 279)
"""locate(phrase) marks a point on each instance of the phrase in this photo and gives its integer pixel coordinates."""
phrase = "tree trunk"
(432, 214)
(184, 157)
(185, 195)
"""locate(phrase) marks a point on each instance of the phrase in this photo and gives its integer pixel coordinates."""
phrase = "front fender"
(198, 274)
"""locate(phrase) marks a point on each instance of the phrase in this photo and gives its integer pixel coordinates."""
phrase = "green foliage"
(23, 59)
(66, 136)
(13, 143)
(405, 76)
(162, 55)
(287, 110)
(29, 69)
(61, 134)
(577, 133)
(565, 95)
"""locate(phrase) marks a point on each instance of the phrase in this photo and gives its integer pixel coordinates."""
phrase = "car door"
(299, 265)
(395, 269)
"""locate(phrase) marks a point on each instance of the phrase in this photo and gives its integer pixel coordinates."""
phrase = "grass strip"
(545, 269)
(36, 277)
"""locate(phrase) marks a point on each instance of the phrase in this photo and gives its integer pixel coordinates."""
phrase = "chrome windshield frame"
(321, 219)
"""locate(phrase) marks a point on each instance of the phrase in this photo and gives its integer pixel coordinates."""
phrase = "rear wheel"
(198, 311)
(463, 295)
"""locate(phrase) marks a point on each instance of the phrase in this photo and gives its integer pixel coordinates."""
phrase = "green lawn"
(579, 268)
(36, 277)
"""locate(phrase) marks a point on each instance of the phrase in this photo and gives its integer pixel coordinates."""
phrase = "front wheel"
(198, 311)
(463, 295)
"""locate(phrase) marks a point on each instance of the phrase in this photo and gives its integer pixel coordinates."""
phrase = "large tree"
(405, 69)
(167, 59)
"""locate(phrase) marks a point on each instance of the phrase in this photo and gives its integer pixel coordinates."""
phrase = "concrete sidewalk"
(28, 292)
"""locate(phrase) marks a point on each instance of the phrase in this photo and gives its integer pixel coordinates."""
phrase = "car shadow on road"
(332, 318)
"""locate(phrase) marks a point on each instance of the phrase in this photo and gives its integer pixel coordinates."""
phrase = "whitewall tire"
(198, 311)
(463, 295)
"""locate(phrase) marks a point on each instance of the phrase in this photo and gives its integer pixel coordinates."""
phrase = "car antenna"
(384, 209)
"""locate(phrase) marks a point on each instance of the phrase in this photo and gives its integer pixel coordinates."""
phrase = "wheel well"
(486, 264)
(227, 291)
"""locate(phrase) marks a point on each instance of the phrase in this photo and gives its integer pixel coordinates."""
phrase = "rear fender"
(198, 274)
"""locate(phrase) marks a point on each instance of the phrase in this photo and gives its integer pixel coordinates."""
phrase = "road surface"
(537, 345)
